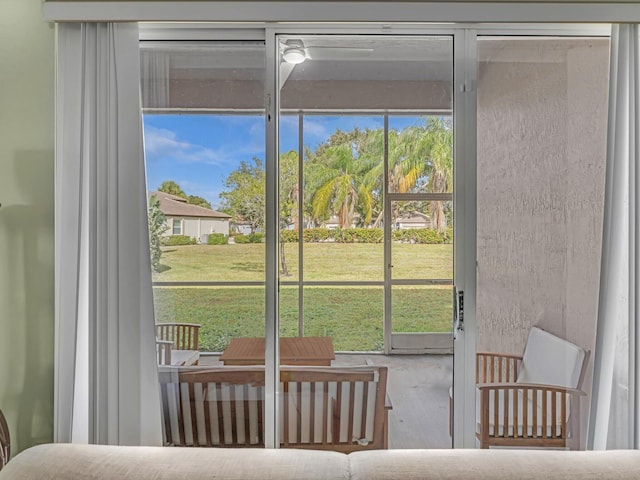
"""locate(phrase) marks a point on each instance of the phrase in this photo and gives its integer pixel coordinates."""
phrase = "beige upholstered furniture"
(323, 408)
(5, 443)
(533, 400)
(98, 462)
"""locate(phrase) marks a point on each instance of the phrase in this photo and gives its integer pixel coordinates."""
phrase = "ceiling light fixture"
(294, 52)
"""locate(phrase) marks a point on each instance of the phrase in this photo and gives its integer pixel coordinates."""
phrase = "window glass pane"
(343, 201)
(421, 154)
(542, 110)
(204, 133)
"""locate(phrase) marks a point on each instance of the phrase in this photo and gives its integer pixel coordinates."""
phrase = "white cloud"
(315, 129)
(162, 143)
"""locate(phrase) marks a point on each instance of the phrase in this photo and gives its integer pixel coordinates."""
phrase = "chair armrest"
(529, 386)
(494, 367)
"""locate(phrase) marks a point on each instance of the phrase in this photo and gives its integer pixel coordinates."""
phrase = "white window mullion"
(272, 227)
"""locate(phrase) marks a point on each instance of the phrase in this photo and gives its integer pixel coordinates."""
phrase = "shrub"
(255, 237)
(241, 238)
(427, 235)
(317, 234)
(418, 235)
(448, 235)
(217, 239)
(175, 240)
(289, 236)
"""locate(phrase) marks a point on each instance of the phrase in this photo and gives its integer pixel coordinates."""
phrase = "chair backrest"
(183, 335)
(327, 408)
(551, 360)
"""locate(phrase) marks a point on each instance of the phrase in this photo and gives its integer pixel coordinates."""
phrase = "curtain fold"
(613, 415)
(106, 384)
(155, 77)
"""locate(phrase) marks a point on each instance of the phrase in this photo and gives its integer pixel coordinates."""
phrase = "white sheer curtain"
(155, 75)
(614, 407)
(106, 384)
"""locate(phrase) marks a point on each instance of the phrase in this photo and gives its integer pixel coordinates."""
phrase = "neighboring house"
(409, 220)
(241, 227)
(194, 221)
(334, 222)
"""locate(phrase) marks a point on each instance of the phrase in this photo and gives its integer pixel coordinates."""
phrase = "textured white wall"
(542, 116)
(26, 222)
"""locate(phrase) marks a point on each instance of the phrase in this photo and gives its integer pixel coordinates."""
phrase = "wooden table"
(317, 351)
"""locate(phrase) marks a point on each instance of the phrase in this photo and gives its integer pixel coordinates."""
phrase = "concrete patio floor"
(418, 386)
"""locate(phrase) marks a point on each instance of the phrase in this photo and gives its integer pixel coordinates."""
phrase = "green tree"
(420, 159)
(196, 200)
(244, 198)
(157, 226)
(172, 188)
(289, 198)
(434, 147)
(336, 178)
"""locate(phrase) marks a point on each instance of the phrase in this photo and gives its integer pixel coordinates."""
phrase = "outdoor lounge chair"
(533, 400)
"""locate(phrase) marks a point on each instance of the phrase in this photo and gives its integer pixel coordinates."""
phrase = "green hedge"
(174, 240)
(250, 238)
(217, 239)
(289, 236)
(417, 235)
(367, 235)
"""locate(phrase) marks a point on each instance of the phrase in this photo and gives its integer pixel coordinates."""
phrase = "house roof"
(412, 217)
(174, 206)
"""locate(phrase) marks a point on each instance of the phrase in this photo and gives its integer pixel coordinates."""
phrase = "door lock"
(458, 311)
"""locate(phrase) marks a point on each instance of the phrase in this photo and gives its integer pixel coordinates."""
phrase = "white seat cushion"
(550, 360)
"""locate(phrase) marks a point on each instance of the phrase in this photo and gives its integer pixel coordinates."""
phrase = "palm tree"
(428, 152)
(336, 177)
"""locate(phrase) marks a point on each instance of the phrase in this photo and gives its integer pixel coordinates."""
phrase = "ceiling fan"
(294, 51)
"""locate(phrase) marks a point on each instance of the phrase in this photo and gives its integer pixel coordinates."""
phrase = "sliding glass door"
(366, 189)
(305, 187)
(542, 109)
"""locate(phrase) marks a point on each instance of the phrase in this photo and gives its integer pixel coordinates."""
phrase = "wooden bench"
(324, 408)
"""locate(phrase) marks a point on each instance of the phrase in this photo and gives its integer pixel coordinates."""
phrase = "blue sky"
(199, 151)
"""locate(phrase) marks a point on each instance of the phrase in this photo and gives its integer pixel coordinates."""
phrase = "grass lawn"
(322, 261)
(352, 316)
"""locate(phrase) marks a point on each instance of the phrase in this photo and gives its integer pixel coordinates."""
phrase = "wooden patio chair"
(183, 335)
(533, 400)
(323, 408)
(163, 349)
(5, 443)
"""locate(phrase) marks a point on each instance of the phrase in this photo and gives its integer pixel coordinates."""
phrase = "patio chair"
(321, 408)
(183, 335)
(163, 349)
(533, 400)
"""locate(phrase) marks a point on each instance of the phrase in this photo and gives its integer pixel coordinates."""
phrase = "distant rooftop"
(174, 206)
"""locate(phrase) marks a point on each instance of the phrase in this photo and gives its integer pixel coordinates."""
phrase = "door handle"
(458, 311)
